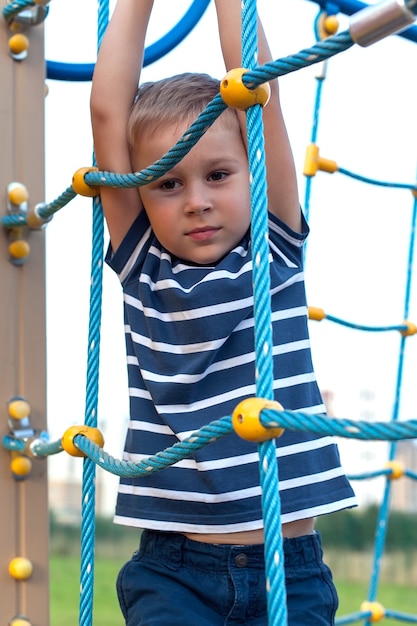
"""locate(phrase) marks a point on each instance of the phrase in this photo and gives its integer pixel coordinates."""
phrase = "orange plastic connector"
(397, 469)
(314, 162)
(410, 330)
(80, 186)
(316, 313)
(18, 409)
(17, 193)
(331, 24)
(246, 420)
(87, 431)
(236, 95)
(21, 466)
(375, 608)
(19, 250)
(327, 25)
(18, 45)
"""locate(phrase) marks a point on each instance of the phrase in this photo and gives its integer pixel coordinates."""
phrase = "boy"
(181, 248)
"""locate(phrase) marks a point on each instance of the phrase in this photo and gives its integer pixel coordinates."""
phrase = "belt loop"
(173, 552)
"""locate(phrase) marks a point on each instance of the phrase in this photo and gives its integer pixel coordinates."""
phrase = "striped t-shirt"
(190, 357)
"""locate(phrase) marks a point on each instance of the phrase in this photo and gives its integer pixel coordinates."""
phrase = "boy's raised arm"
(283, 198)
(114, 86)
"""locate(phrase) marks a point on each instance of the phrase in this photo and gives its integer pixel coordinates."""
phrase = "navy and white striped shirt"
(190, 357)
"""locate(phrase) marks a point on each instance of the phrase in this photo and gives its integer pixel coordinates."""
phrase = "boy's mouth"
(202, 233)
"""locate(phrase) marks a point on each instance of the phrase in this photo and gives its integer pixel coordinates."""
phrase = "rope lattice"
(391, 431)
(269, 418)
(394, 425)
(253, 78)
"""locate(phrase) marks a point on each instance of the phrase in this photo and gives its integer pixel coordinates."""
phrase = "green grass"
(65, 596)
(65, 593)
(394, 597)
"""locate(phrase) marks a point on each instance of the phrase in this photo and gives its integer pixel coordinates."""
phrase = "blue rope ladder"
(84, 442)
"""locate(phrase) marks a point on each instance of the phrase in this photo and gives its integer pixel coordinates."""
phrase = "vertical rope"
(315, 125)
(383, 515)
(91, 404)
(274, 560)
(319, 90)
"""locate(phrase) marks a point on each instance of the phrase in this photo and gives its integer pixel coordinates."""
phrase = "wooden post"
(24, 503)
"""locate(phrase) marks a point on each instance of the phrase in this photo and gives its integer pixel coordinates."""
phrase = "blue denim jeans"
(173, 581)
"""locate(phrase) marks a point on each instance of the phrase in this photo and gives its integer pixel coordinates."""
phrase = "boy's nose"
(197, 202)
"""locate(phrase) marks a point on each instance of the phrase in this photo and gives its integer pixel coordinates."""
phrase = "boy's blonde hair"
(172, 100)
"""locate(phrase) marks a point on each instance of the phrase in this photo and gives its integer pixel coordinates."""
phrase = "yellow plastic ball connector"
(18, 193)
(246, 420)
(397, 469)
(20, 568)
(18, 46)
(19, 620)
(327, 25)
(80, 186)
(19, 250)
(236, 95)
(410, 330)
(18, 409)
(87, 431)
(376, 609)
(21, 466)
(331, 24)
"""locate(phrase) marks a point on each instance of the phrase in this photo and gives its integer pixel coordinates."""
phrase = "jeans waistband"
(298, 552)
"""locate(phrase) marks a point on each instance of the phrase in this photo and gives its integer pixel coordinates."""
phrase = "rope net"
(84, 441)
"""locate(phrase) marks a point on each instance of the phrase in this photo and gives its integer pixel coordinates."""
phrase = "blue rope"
(14, 8)
(274, 556)
(383, 516)
(391, 431)
(269, 418)
(375, 329)
(382, 524)
(315, 124)
(373, 181)
(253, 78)
(91, 406)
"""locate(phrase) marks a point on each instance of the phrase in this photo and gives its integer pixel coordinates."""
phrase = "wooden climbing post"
(24, 504)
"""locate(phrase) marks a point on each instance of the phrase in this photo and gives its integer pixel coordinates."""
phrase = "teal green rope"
(375, 329)
(269, 418)
(383, 516)
(254, 77)
(92, 387)
(14, 8)
(268, 466)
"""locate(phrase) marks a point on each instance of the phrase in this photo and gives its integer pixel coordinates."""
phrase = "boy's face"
(200, 209)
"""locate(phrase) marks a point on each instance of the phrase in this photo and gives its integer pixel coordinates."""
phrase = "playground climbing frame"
(24, 525)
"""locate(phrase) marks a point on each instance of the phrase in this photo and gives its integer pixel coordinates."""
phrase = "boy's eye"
(169, 184)
(218, 175)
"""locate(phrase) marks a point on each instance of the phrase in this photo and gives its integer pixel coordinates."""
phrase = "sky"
(357, 253)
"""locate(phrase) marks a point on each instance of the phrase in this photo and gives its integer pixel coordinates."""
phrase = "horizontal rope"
(379, 183)
(319, 52)
(375, 329)
(318, 424)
